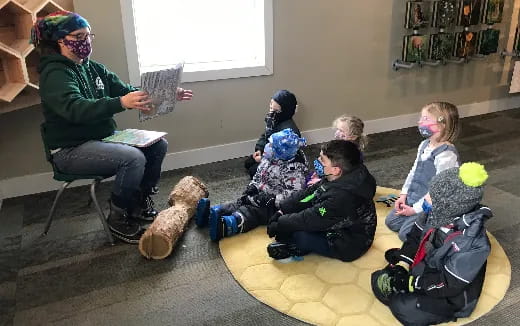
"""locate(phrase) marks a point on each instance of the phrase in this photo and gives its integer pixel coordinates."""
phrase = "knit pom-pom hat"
(455, 192)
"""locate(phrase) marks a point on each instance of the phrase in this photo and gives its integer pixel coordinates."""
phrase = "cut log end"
(155, 246)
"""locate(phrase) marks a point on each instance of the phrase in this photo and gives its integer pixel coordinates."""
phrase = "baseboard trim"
(42, 182)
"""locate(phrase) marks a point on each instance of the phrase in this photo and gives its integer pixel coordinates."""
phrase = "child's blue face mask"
(426, 206)
(319, 168)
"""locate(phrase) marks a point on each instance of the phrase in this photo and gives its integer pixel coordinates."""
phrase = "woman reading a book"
(79, 99)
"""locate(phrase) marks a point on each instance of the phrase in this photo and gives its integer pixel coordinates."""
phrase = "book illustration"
(469, 12)
(161, 86)
(444, 13)
(488, 41)
(441, 46)
(465, 44)
(494, 11)
(135, 137)
(417, 14)
(415, 48)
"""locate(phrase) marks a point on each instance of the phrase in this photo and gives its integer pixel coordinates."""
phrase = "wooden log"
(160, 238)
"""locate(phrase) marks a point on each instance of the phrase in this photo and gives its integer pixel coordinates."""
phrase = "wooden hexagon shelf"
(18, 59)
(31, 62)
(46, 8)
(12, 75)
(15, 27)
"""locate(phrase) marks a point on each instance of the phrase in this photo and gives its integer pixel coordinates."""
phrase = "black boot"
(149, 212)
(122, 227)
(280, 250)
(145, 211)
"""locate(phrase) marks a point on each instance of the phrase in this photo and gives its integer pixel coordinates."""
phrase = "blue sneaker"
(216, 224)
(202, 212)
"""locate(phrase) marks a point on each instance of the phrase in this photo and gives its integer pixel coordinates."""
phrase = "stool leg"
(53, 208)
(100, 211)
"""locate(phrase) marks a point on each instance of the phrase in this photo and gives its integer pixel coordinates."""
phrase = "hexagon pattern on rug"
(326, 291)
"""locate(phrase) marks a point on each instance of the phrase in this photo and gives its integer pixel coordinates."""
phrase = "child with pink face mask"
(346, 128)
(439, 124)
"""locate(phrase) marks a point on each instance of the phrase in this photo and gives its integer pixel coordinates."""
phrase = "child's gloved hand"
(275, 216)
(263, 200)
(272, 229)
(402, 282)
(389, 281)
(251, 190)
(392, 256)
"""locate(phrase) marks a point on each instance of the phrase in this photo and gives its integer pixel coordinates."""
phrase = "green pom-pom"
(473, 174)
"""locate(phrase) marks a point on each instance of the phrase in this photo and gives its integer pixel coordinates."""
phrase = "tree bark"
(160, 238)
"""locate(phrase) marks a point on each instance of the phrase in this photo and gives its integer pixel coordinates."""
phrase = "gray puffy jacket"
(451, 274)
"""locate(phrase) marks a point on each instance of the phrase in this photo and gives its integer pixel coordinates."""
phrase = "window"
(215, 39)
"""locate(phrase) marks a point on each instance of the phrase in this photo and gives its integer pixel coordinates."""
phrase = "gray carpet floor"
(73, 277)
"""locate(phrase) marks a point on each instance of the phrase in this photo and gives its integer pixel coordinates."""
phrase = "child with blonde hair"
(439, 124)
(349, 128)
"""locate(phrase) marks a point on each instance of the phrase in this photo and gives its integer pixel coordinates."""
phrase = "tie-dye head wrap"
(56, 26)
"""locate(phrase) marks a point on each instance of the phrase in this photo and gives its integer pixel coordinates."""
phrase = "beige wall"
(335, 55)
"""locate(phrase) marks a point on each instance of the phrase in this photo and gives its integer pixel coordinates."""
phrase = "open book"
(162, 88)
(135, 137)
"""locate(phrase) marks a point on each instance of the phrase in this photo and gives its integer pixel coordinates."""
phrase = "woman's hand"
(184, 94)
(138, 100)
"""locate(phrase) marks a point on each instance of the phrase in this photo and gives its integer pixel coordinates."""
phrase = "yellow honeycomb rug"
(326, 291)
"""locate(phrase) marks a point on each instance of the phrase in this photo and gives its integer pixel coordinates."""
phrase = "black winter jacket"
(264, 139)
(343, 209)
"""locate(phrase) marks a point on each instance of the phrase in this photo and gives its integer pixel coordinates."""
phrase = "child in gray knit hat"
(446, 252)
(453, 197)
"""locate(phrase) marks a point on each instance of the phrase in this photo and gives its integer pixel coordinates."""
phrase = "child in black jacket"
(279, 117)
(446, 250)
(335, 217)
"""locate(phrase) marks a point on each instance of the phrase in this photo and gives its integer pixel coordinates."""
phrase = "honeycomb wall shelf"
(18, 58)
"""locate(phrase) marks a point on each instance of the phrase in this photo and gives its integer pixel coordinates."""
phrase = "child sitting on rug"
(335, 217)
(446, 249)
(346, 128)
(282, 107)
(278, 176)
(439, 124)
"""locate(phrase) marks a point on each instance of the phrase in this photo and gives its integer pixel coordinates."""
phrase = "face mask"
(426, 206)
(81, 48)
(340, 135)
(319, 168)
(426, 130)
